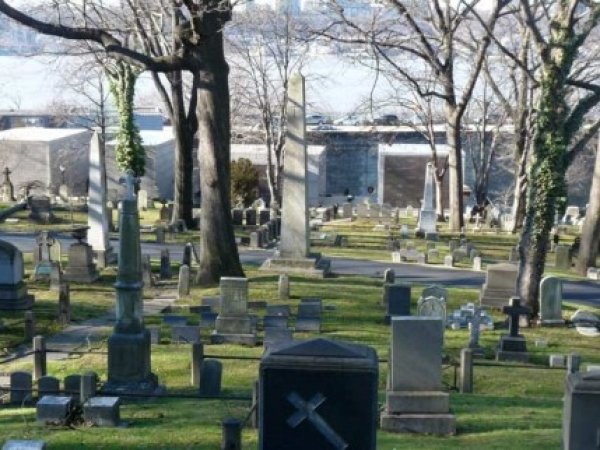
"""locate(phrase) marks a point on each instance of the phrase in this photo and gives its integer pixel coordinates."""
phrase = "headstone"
(81, 266)
(231, 438)
(283, 287)
(318, 394)
(53, 410)
(165, 265)
(551, 301)
(592, 273)
(237, 216)
(275, 336)
(48, 385)
(396, 299)
(477, 263)
(427, 214)
(7, 190)
(233, 323)
(185, 334)
(160, 235)
(581, 411)
(264, 215)
(563, 257)
(250, 217)
(255, 240)
(56, 278)
(88, 386)
(129, 363)
(557, 361)
(432, 306)
(347, 210)
(186, 259)
(72, 385)
(389, 276)
(99, 217)
(102, 411)
(466, 371)
(449, 261)
(183, 285)
(513, 346)
(143, 201)
(13, 291)
(474, 332)
(500, 284)
(20, 388)
(211, 373)
(435, 291)
(415, 402)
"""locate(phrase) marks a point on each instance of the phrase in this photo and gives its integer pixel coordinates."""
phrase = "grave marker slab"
(53, 410)
(551, 301)
(500, 285)
(102, 411)
(13, 291)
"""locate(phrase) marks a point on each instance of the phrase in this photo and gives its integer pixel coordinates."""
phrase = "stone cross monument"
(7, 190)
(98, 237)
(129, 345)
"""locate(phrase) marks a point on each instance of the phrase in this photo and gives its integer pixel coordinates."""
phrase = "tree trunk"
(456, 177)
(519, 200)
(439, 197)
(590, 234)
(184, 165)
(219, 256)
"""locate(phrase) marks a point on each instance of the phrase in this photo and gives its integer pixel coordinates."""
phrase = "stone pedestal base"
(129, 368)
(233, 325)
(417, 402)
(438, 424)
(512, 356)
(86, 274)
(512, 349)
(242, 339)
(313, 266)
(552, 323)
(15, 297)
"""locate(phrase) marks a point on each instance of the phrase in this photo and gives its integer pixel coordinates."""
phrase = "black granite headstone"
(396, 300)
(318, 394)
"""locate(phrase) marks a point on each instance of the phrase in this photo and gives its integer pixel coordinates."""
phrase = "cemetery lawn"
(513, 407)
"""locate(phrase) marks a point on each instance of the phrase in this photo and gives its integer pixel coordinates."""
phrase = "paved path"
(583, 291)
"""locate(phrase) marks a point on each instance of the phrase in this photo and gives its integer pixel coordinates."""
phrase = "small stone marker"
(284, 287)
(581, 411)
(48, 385)
(53, 410)
(477, 263)
(88, 386)
(211, 372)
(147, 276)
(466, 371)
(233, 323)
(197, 359)
(72, 385)
(232, 432)
(592, 273)
(310, 399)
(500, 284)
(39, 357)
(551, 301)
(276, 337)
(396, 300)
(557, 361)
(563, 257)
(449, 261)
(102, 411)
(513, 347)
(183, 285)
(389, 276)
(14, 290)
(165, 264)
(81, 268)
(20, 388)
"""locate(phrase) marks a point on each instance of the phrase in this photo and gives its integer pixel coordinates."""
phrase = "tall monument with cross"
(129, 367)
(7, 190)
(294, 249)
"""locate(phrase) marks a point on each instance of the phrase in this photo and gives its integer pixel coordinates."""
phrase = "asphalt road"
(582, 291)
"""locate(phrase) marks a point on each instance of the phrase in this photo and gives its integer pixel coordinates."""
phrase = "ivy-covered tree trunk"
(129, 151)
(546, 178)
(219, 251)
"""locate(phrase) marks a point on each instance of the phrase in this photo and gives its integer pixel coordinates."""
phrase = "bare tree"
(200, 51)
(265, 52)
(431, 37)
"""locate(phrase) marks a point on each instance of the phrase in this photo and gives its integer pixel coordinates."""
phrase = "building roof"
(32, 134)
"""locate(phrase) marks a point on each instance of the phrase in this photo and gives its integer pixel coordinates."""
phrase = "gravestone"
(294, 247)
(7, 190)
(563, 257)
(233, 323)
(211, 372)
(102, 411)
(41, 209)
(449, 261)
(264, 215)
(250, 217)
(56, 278)
(13, 291)
(143, 201)
(99, 217)
(427, 214)
(237, 216)
(255, 240)
(500, 284)
(147, 277)
(81, 268)
(474, 332)
(581, 411)
(275, 322)
(208, 319)
(415, 402)
(513, 346)
(551, 301)
(185, 334)
(389, 276)
(48, 385)
(347, 210)
(20, 388)
(186, 259)
(183, 285)
(283, 287)
(275, 336)
(129, 364)
(309, 316)
(165, 265)
(435, 291)
(44, 256)
(477, 263)
(318, 394)
(396, 299)
(432, 306)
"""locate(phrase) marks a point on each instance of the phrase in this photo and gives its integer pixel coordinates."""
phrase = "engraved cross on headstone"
(44, 239)
(306, 410)
(513, 311)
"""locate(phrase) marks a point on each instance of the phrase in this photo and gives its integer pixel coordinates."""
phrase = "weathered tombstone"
(551, 301)
(7, 190)
(186, 259)
(255, 240)
(474, 332)
(466, 371)
(477, 263)
(185, 334)
(72, 385)
(581, 411)
(165, 265)
(81, 266)
(88, 386)
(211, 373)
(53, 410)
(275, 336)
(264, 215)
(397, 301)
(592, 273)
(237, 216)
(513, 346)
(56, 277)
(389, 276)
(432, 306)
(102, 411)
(233, 323)
(99, 217)
(427, 214)
(500, 284)
(39, 357)
(318, 394)
(183, 285)
(309, 309)
(13, 291)
(415, 402)
(20, 388)
(48, 385)
(435, 291)
(129, 367)
(283, 287)
(563, 257)
(449, 261)
(142, 196)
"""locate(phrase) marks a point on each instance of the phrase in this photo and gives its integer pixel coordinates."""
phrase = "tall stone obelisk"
(294, 248)
(427, 214)
(129, 346)
(98, 234)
